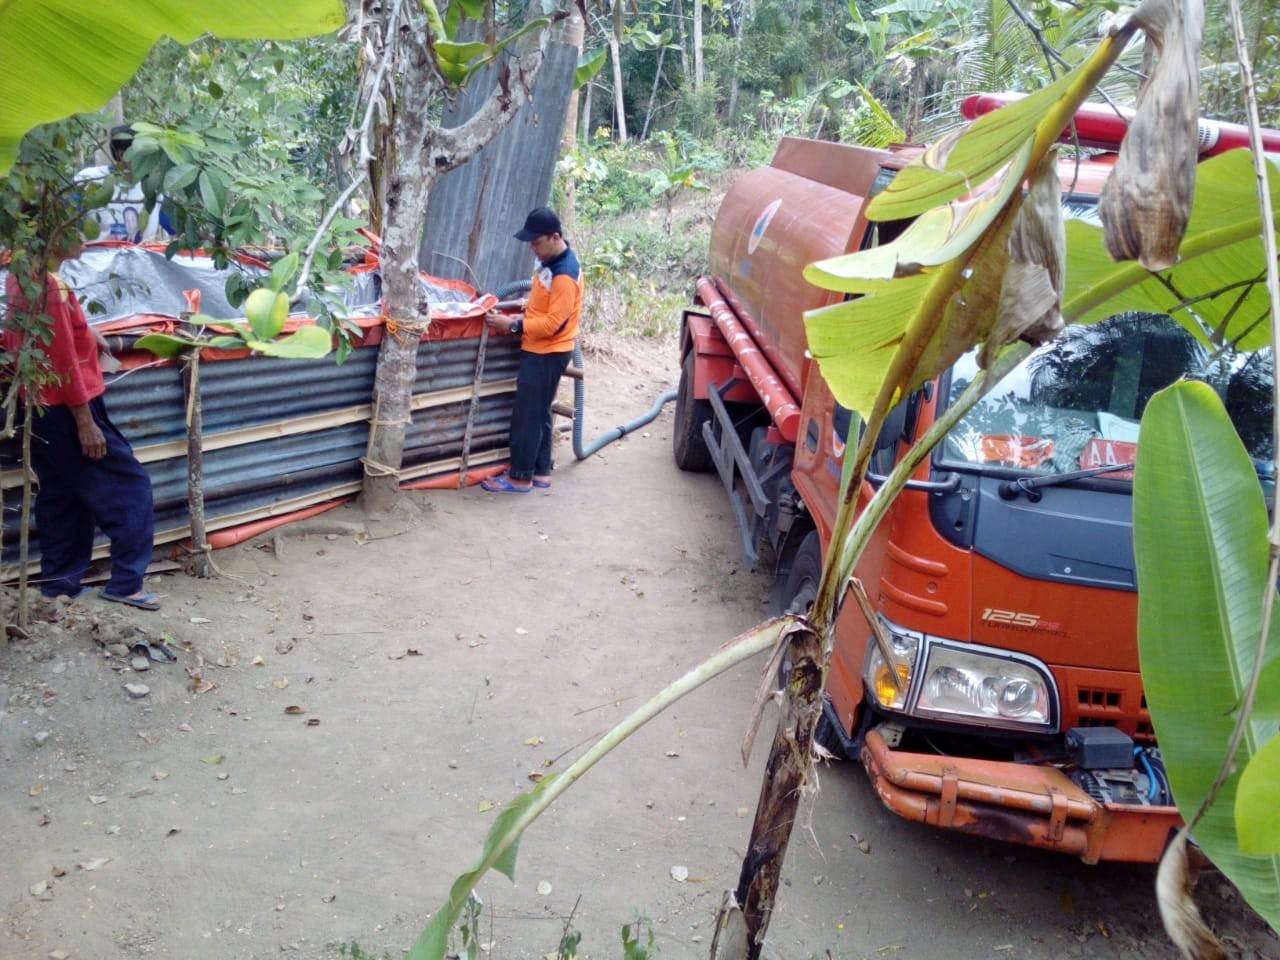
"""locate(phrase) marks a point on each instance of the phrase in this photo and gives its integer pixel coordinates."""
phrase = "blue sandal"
(143, 599)
(502, 484)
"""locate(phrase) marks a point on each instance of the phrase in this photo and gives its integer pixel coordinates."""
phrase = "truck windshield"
(1075, 403)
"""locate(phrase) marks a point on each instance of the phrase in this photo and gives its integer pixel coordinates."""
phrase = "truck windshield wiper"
(1010, 489)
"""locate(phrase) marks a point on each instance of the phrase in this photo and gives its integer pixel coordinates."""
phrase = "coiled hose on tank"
(520, 288)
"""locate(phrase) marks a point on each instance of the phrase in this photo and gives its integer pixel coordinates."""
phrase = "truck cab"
(1004, 574)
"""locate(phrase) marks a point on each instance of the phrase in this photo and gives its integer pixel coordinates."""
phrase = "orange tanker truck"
(1004, 573)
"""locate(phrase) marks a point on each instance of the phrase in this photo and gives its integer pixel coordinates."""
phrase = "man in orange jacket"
(547, 331)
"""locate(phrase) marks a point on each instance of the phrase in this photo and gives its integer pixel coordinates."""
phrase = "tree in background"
(913, 59)
(265, 123)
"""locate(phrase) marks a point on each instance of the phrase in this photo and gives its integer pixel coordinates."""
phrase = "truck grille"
(1110, 707)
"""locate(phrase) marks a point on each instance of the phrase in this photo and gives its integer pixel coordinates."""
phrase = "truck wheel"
(797, 590)
(795, 594)
(797, 587)
(687, 442)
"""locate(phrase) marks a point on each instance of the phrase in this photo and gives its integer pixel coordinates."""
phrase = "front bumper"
(1021, 803)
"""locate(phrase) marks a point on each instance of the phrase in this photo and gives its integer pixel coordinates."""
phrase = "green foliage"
(612, 179)
(1256, 823)
(606, 180)
(771, 67)
(627, 305)
(266, 309)
(241, 138)
(628, 262)
(570, 940)
(469, 927)
(835, 110)
(308, 342)
(639, 942)
(1200, 541)
(589, 65)
(697, 109)
(1220, 76)
(869, 122)
(458, 60)
(628, 269)
(501, 847)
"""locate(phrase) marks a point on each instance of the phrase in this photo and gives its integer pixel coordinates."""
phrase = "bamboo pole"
(200, 564)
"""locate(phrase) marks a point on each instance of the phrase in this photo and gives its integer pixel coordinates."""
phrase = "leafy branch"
(266, 309)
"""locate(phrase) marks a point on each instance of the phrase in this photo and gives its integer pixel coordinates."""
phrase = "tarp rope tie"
(404, 330)
(372, 467)
(375, 469)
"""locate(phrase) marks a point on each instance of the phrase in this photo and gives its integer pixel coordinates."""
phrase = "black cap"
(540, 222)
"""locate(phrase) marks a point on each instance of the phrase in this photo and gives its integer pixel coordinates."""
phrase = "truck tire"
(797, 585)
(795, 594)
(687, 442)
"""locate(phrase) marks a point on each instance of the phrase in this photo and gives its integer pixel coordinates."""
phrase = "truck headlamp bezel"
(963, 683)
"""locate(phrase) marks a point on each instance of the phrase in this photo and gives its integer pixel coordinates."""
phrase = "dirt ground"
(355, 700)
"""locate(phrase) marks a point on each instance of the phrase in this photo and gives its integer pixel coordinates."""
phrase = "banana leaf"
(1200, 541)
(67, 56)
(1221, 270)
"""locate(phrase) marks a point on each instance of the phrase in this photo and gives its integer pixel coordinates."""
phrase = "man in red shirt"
(547, 331)
(87, 472)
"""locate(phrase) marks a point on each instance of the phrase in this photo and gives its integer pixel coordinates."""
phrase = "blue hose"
(579, 402)
(1153, 785)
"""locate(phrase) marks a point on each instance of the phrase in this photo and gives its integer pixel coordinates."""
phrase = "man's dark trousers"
(77, 493)
(531, 426)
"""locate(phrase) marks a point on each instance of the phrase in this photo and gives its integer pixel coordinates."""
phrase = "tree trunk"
(573, 35)
(619, 113)
(915, 101)
(653, 94)
(686, 56)
(732, 108)
(697, 44)
(406, 177)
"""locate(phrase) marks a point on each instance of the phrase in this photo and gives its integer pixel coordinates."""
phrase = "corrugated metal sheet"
(282, 433)
(474, 209)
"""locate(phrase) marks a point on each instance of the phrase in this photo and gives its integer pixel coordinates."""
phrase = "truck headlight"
(960, 682)
(878, 675)
(984, 686)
